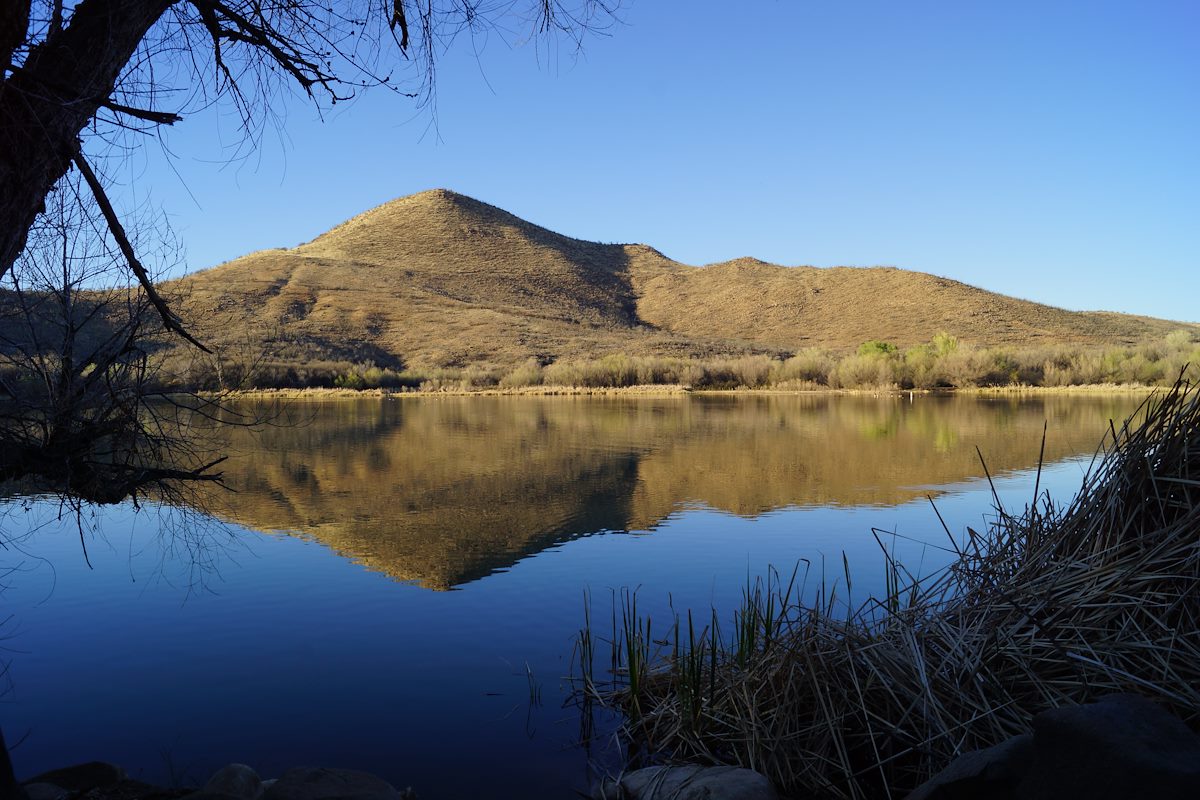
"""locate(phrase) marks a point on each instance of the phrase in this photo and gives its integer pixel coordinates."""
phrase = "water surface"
(385, 579)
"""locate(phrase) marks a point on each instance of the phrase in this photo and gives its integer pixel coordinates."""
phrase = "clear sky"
(1047, 150)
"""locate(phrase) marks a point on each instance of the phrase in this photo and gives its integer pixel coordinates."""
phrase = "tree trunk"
(47, 102)
(9, 788)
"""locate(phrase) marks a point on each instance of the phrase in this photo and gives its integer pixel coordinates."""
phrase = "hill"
(438, 279)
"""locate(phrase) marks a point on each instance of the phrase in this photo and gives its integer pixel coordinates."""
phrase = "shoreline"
(673, 390)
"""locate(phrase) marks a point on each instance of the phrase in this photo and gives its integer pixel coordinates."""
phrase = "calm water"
(389, 573)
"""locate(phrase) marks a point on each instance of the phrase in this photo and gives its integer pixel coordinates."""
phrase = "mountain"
(440, 279)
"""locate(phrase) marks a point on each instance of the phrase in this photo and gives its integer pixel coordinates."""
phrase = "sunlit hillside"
(438, 279)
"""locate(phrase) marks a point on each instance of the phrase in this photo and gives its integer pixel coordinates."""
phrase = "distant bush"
(864, 371)
(807, 366)
(877, 348)
(351, 380)
(750, 372)
(528, 374)
(476, 377)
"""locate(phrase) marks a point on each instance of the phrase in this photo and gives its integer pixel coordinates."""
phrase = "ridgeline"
(439, 280)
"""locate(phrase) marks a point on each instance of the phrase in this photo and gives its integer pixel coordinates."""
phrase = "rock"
(45, 791)
(204, 794)
(315, 783)
(82, 777)
(235, 780)
(131, 790)
(990, 774)
(1121, 747)
(687, 783)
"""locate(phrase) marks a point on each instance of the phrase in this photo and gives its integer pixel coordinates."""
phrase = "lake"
(395, 584)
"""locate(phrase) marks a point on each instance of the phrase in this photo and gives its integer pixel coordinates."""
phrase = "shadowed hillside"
(438, 279)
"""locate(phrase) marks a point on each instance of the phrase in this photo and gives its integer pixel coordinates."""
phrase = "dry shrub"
(477, 377)
(1053, 606)
(609, 372)
(968, 366)
(811, 365)
(864, 372)
(668, 371)
(528, 374)
(751, 371)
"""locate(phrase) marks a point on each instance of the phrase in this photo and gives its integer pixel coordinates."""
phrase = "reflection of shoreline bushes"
(942, 363)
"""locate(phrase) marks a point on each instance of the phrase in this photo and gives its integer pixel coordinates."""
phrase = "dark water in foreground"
(391, 575)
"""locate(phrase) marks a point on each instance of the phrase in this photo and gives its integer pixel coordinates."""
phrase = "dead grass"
(1051, 606)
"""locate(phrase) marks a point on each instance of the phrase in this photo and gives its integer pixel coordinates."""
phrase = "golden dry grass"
(439, 279)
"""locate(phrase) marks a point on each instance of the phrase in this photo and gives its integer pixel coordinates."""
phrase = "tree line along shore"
(944, 362)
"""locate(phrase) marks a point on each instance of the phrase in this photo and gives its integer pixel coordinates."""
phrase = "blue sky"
(1044, 150)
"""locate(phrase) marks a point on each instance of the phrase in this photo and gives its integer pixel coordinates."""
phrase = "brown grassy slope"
(439, 279)
(433, 279)
(841, 307)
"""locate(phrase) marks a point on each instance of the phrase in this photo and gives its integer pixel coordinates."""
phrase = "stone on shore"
(235, 780)
(45, 791)
(1122, 747)
(82, 777)
(687, 783)
(318, 783)
(990, 774)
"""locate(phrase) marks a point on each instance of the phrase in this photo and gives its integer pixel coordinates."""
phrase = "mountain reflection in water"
(444, 490)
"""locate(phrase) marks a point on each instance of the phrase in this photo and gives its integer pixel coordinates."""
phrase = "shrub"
(863, 372)
(528, 374)
(751, 371)
(350, 380)
(875, 347)
(943, 343)
(810, 365)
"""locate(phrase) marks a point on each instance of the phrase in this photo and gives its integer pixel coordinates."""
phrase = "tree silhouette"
(100, 69)
(80, 78)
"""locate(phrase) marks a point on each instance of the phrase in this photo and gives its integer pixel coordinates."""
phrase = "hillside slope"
(439, 279)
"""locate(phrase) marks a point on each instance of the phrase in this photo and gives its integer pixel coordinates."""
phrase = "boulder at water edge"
(82, 777)
(991, 774)
(1122, 747)
(687, 783)
(235, 780)
(318, 783)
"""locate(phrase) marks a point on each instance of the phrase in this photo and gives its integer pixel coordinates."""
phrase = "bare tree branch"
(157, 117)
(170, 320)
(398, 18)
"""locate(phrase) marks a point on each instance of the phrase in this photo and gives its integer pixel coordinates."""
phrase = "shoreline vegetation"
(669, 390)
(944, 363)
(1053, 606)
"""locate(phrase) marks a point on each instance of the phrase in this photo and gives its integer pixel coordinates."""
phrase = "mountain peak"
(438, 278)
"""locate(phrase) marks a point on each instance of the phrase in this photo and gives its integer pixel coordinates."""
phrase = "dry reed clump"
(1053, 606)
